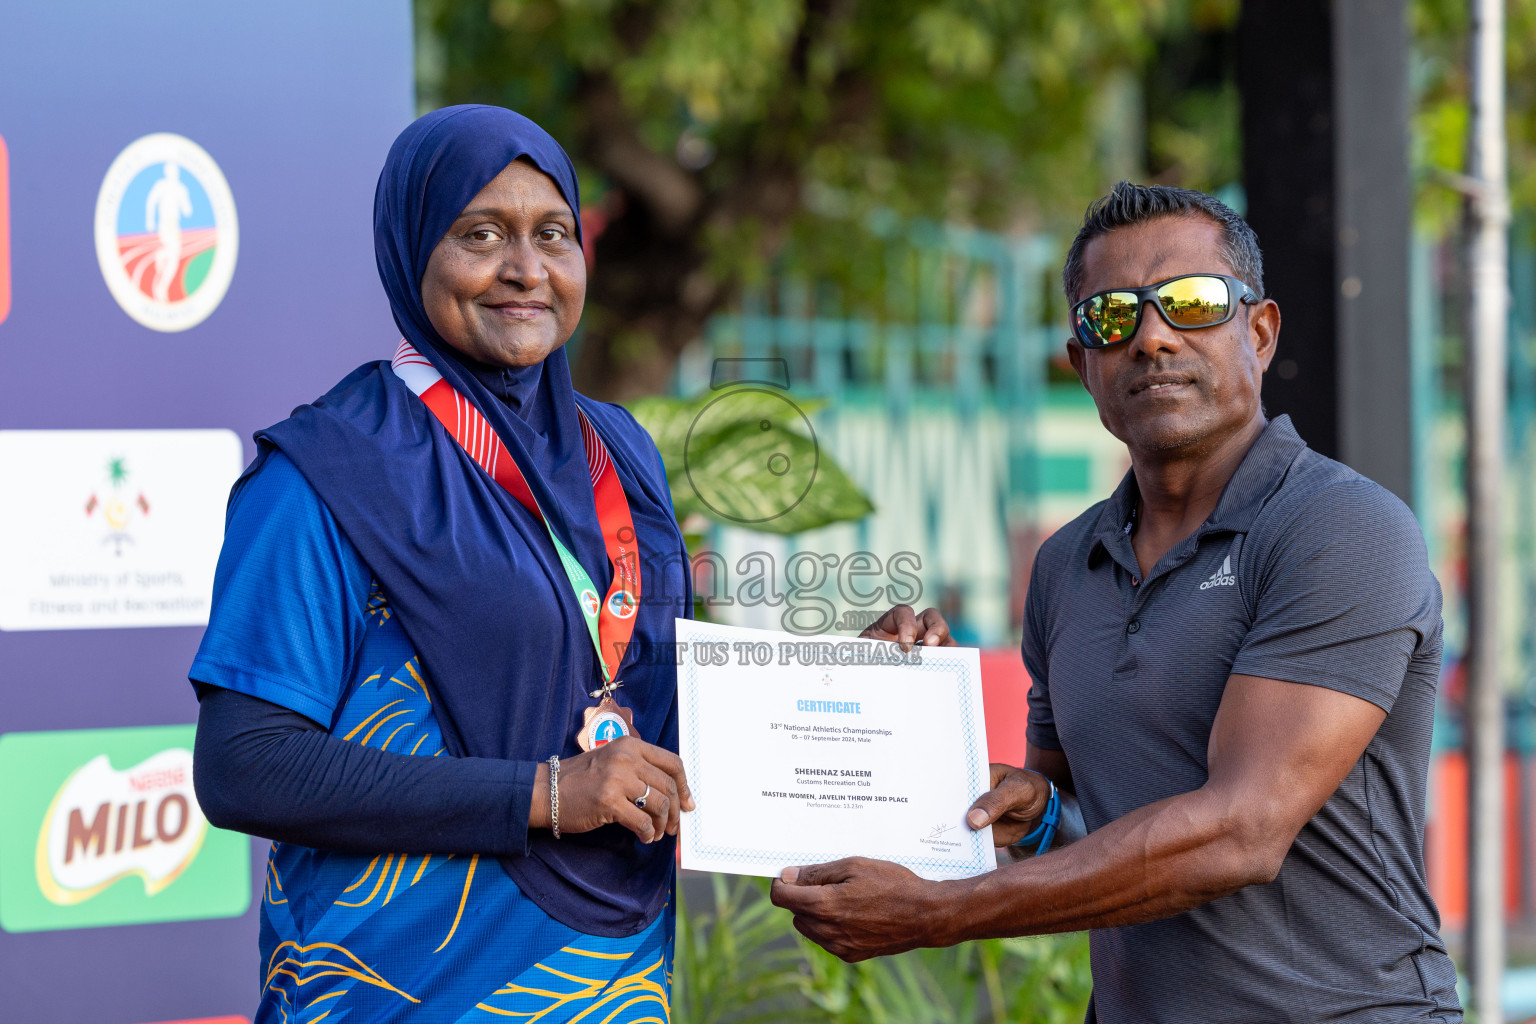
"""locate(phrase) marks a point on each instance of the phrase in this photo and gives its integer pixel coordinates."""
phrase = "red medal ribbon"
(469, 427)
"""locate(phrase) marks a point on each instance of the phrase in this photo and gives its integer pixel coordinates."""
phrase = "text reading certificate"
(801, 750)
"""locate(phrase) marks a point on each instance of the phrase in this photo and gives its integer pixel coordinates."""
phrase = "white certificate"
(801, 750)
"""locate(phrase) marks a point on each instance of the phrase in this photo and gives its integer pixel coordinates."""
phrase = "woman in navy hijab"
(437, 672)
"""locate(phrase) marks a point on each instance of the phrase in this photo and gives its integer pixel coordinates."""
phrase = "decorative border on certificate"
(978, 856)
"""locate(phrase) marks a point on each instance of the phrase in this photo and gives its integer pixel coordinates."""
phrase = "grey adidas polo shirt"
(1306, 572)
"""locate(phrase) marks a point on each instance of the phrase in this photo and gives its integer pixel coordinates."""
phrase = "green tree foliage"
(711, 132)
(1441, 116)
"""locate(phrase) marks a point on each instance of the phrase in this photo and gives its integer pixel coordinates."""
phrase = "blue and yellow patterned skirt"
(388, 946)
(433, 939)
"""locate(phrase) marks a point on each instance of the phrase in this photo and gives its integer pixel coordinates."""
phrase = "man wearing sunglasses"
(1233, 661)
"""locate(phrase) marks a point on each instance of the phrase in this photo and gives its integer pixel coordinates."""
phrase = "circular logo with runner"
(622, 603)
(607, 727)
(590, 602)
(166, 232)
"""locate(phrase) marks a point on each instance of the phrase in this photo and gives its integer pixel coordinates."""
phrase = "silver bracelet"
(554, 795)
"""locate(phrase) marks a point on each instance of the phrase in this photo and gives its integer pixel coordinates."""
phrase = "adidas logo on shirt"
(1221, 577)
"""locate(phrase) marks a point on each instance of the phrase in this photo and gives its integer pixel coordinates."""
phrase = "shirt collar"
(1117, 520)
(1257, 476)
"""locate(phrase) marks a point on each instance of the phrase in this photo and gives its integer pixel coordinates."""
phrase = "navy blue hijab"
(472, 575)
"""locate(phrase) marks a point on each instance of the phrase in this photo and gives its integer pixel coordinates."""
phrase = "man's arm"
(1277, 751)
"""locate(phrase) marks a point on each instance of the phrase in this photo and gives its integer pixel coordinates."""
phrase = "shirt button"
(1134, 627)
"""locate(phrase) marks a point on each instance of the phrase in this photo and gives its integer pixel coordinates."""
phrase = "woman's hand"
(601, 786)
(1013, 806)
(906, 627)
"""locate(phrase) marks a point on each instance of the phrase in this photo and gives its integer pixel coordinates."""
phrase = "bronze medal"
(605, 723)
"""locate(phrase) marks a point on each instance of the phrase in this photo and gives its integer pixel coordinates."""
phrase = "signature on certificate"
(939, 830)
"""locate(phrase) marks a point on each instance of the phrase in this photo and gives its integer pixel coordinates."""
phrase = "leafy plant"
(744, 963)
(719, 463)
(1035, 980)
(739, 963)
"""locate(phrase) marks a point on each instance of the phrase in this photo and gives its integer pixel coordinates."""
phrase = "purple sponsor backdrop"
(297, 102)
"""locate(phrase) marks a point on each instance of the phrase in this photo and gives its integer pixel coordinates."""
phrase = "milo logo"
(104, 825)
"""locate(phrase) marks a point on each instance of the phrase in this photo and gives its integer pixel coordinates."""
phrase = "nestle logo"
(162, 779)
(102, 828)
(103, 825)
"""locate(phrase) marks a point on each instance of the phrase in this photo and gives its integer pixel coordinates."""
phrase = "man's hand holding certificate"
(802, 750)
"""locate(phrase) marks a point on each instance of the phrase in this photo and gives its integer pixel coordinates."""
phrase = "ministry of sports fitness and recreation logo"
(117, 505)
(166, 232)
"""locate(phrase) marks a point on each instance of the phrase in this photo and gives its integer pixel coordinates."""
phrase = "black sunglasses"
(1194, 300)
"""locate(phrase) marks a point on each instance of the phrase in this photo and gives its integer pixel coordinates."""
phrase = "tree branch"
(671, 195)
